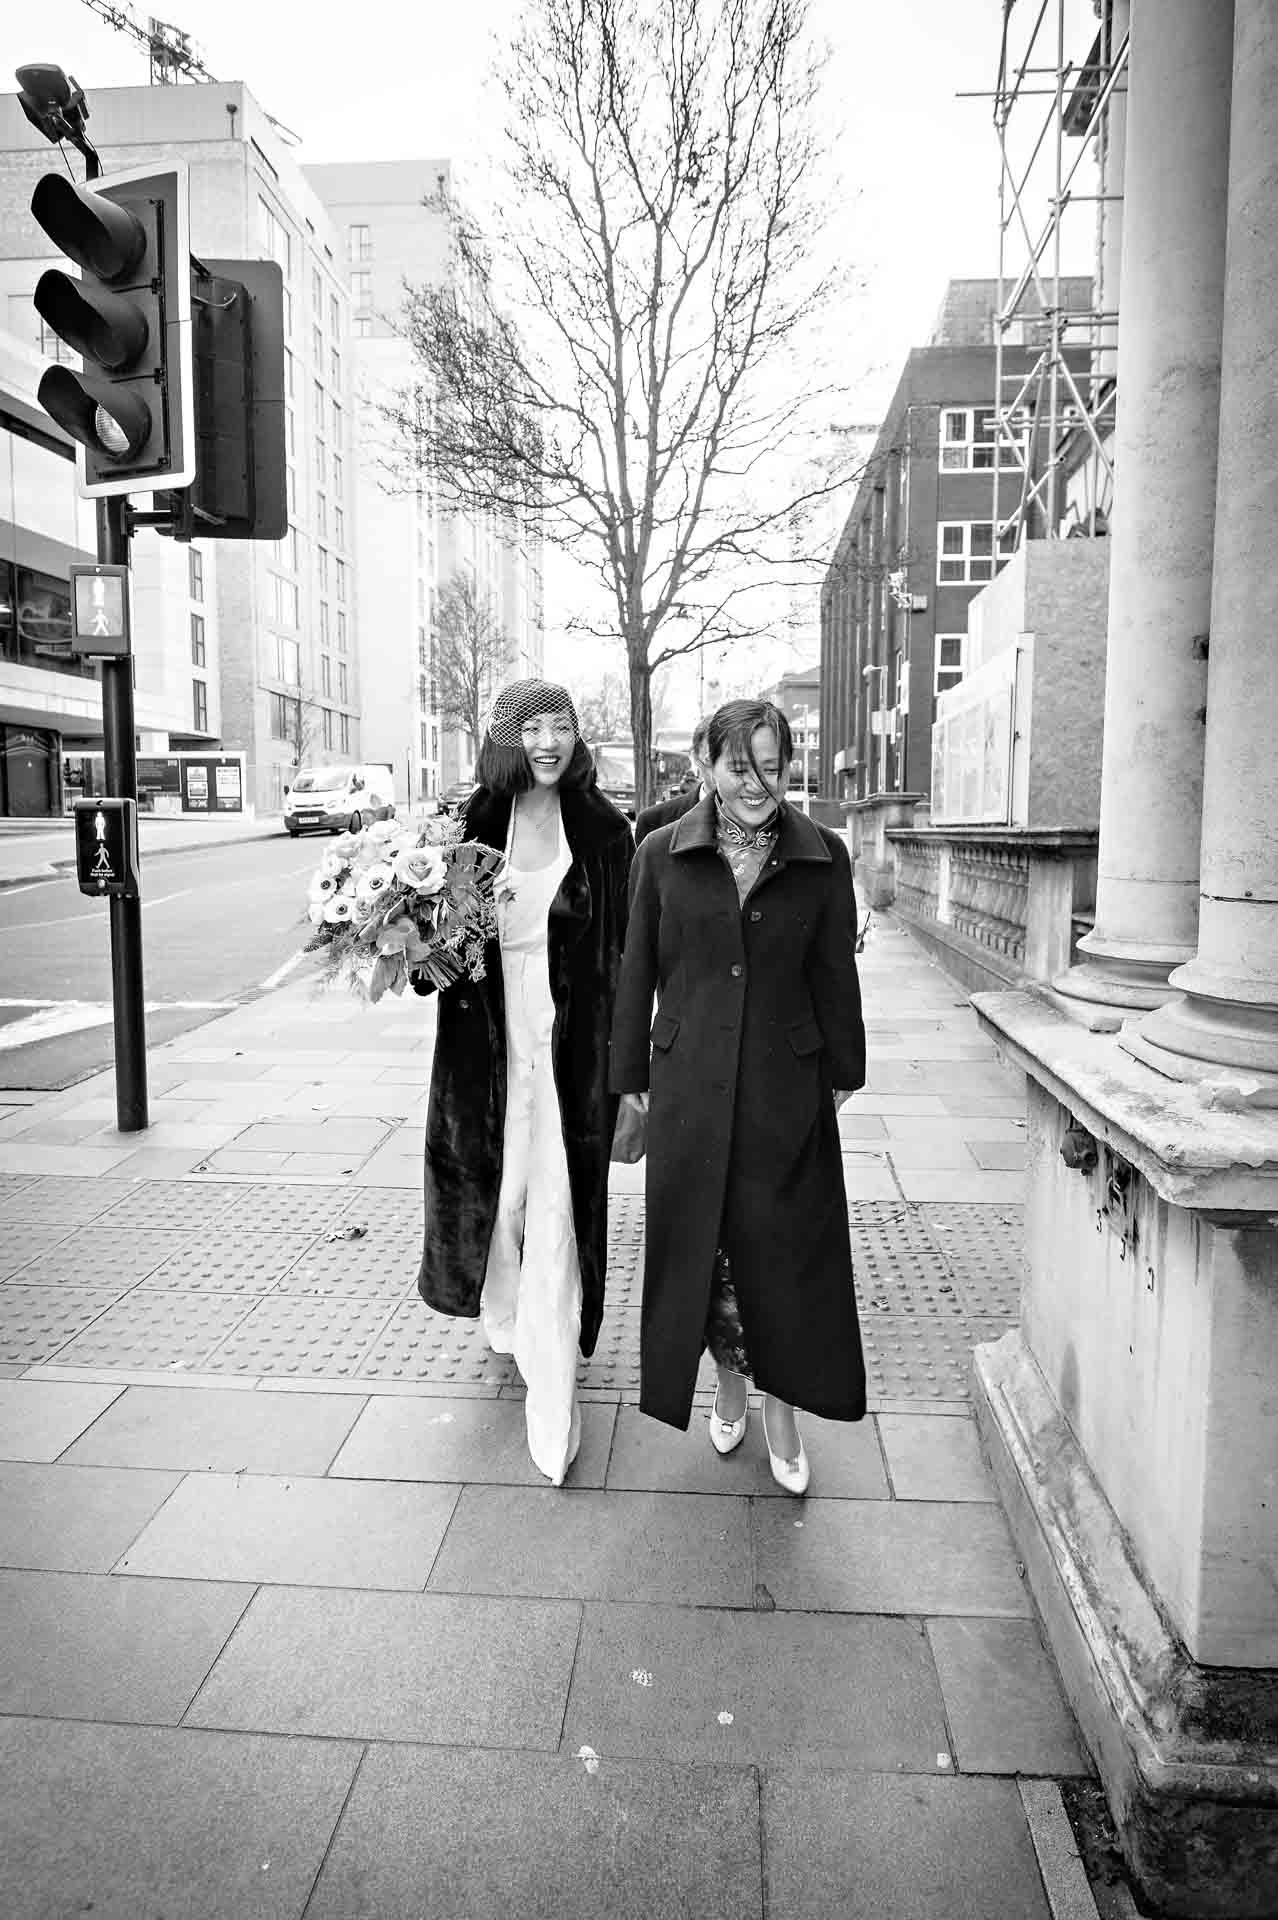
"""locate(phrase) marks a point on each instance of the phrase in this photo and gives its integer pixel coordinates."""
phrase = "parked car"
(338, 799)
(454, 797)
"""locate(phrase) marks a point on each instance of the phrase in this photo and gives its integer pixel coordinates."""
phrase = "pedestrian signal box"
(100, 610)
(106, 848)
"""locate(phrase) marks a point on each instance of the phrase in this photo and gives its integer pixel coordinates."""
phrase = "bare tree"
(471, 652)
(603, 710)
(304, 723)
(660, 253)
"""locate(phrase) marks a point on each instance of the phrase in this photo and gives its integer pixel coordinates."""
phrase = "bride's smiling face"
(548, 740)
(750, 792)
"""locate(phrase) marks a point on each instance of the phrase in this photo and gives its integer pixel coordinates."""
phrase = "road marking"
(57, 1018)
(10, 893)
(75, 919)
(281, 974)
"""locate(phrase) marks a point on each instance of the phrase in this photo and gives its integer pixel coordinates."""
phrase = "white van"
(338, 799)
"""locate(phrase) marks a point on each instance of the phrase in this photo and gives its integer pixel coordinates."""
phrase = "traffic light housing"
(131, 408)
(240, 487)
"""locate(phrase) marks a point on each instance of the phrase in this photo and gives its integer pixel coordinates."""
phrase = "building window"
(290, 490)
(288, 371)
(195, 562)
(362, 325)
(199, 706)
(321, 516)
(288, 661)
(288, 314)
(339, 526)
(334, 368)
(323, 620)
(362, 291)
(949, 660)
(965, 550)
(334, 316)
(275, 236)
(341, 579)
(335, 413)
(359, 243)
(326, 676)
(198, 658)
(292, 432)
(967, 439)
(321, 463)
(344, 732)
(285, 716)
(321, 566)
(341, 631)
(317, 406)
(317, 347)
(425, 741)
(337, 475)
(328, 728)
(284, 604)
(343, 684)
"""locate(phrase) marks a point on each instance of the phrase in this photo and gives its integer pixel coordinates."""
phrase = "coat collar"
(798, 838)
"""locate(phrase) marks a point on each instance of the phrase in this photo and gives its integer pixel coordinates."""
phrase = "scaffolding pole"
(1052, 422)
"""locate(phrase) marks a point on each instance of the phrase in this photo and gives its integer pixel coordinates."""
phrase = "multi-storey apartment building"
(250, 645)
(392, 235)
(921, 540)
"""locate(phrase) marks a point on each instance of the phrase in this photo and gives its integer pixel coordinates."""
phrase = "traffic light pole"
(121, 769)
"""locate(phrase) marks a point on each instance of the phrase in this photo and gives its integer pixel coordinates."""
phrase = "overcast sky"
(921, 163)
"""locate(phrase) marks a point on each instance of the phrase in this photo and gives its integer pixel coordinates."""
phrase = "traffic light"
(240, 487)
(129, 318)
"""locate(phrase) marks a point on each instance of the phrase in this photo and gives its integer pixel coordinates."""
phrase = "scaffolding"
(1053, 422)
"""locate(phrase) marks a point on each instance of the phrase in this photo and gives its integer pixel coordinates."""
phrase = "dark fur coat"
(466, 1116)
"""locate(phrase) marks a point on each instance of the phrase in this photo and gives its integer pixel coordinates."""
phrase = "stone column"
(1160, 578)
(1228, 1018)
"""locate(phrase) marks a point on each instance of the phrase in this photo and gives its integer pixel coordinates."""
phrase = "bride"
(520, 1121)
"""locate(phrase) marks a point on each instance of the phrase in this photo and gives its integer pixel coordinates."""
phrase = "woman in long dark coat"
(743, 926)
(520, 1122)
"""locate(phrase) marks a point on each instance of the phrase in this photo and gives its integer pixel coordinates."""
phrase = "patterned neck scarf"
(732, 834)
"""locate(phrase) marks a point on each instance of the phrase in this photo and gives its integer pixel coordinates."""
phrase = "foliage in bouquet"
(396, 900)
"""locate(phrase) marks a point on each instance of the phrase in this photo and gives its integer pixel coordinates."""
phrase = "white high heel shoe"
(726, 1435)
(794, 1474)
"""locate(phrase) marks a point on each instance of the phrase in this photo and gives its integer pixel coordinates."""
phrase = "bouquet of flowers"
(398, 899)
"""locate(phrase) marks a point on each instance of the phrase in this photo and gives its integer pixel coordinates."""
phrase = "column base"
(1103, 993)
(1188, 1755)
(1217, 1030)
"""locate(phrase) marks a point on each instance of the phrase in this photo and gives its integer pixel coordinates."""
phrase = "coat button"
(737, 972)
(756, 915)
(464, 1005)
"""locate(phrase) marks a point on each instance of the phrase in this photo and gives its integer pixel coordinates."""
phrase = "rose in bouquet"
(401, 899)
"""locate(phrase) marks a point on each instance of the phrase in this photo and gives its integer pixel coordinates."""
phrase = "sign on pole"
(100, 610)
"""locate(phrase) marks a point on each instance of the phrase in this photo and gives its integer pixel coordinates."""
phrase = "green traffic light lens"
(111, 435)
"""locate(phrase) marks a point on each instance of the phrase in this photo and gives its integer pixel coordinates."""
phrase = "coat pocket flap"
(805, 1038)
(664, 1029)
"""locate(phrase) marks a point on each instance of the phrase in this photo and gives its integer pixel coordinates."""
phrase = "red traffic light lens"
(105, 239)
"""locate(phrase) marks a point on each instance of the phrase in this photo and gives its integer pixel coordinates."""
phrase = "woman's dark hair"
(504, 770)
(733, 726)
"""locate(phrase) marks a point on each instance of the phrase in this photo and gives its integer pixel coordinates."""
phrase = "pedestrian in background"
(520, 1121)
(697, 787)
(743, 927)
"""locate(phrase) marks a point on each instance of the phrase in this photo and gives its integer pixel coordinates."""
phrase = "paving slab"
(295, 1531)
(450, 1669)
(96, 1647)
(75, 1519)
(685, 1683)
(601, 1546)
(879, 1556)
(648, 1455)
(962, 1184)
(155, 1329)
(212, 1430)
(483, 1442)
(866, 1846)
(126, 1822)
(100, 1256)
(1004, 1703)
(524, 1837)
(995, 1154)
(39, 1419)
(934, 1457)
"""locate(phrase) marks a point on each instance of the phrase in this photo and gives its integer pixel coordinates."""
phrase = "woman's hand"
(638, 1101)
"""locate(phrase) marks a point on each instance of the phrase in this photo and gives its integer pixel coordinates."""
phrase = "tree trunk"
(641, 725)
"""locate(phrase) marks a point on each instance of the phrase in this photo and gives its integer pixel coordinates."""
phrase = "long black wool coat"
(466, 1115)
(758, 1021)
